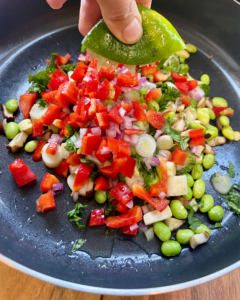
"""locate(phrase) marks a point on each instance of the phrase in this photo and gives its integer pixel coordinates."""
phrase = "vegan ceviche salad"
(136, 142)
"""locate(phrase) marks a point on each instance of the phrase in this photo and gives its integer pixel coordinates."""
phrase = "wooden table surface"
(15, 285)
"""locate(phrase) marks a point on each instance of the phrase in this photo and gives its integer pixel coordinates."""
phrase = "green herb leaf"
(175, 135)
(168, 94)
(188, 168)
(87, 161)
(78, 245)
(94, 175)
(231, 170)
(121, 178)
(51, 63)
(193, 222)
(194, 103)
(111, 210)
(216, 226)
(39, 81)
(42, 103)
(70, 146)
(69, 67)
(70, 129)
(74, 215)
(233, 199)
(205, 88)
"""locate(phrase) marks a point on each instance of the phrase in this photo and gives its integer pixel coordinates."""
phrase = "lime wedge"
(159, 41)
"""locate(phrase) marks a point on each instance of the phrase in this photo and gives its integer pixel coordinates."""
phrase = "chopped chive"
(108, 102)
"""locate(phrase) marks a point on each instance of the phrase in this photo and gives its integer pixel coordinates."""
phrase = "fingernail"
(133, 32)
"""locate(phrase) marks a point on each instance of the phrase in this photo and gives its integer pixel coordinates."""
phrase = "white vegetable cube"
(186, 163)
(171, 168)
(177, 185)
(156, 216)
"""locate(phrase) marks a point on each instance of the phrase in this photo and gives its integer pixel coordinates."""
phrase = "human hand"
(121, 16)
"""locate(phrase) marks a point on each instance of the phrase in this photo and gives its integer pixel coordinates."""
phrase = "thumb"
(123, 19)
(56, 4)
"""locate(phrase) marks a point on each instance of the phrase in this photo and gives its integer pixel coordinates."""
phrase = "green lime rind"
(159, 41)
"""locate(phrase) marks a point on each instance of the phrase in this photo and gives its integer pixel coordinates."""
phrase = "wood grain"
(18, 286)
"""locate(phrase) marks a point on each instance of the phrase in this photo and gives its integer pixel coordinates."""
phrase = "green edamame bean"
(219, 102)
(203, 116)
(216, 213)
(169, 116)
(208, 161)
(12, 105)
(201, 229)
(12, 130)
(171, 248)
(196, 126)
(199, 188)
(208, 203)
(189, 194)
(228, 132)
(31, 146)
(190, 181)
(213, 133)
(211, 127)
(187, 123)
(190, 48)
(100, 196)
(183, 53)
(178, 210)
(197, 171)
(212, 115)
(183, 236)
(205, 79)
(224, 121)
(162, 231)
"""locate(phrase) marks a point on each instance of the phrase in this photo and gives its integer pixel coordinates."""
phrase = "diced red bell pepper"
(113, 145)
(192, 84)
(227, 112)
(138, 112)
(37, 128)
(133, 131)
(21, 172)
(83, 173)
(143, 105)
(104, 91)
(47, 182)
(45, 202)
(38, 151)
(127, 80)
(97, 217)
(198, 141)
(186, 101)
(82, 109)
(153, 94)
(49, 97)
(90, 144)
(62, 115)
(118, 91)
(114, 114)
(182, 86)
(121, 208)
(79, 71)
(55, 83)
(63, 60)
(141, 193)
(196, 132)
(51, 114)
(106, 72)
(128, 107)
(122, 193)
(91, 87)
(67, 92)
(103, 120)
(113, 170)
(128, 168)
(101, 108)
(62, 169)
(149, 70)
(177, 77)
(134, 215)
(26, 103)
(159, 77)
(52, 148)
(155, 118)
(102, 157)
(57, 123)
(57, 74)
(127, 230)
(101, 184)
(93, 63)
(218, 110)
(123, 148)
(162, 185)
(92, 109)
(74, 159)
(179, 157)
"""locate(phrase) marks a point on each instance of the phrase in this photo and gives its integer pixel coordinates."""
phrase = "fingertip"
(56, 4)
(133, 32)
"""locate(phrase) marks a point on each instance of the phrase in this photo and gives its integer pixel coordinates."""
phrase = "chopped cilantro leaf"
(78, 245)
(188, 168)
(70, 146)
(51, 63)
(74, 215)
(193, 222)
(94, 175)
(231, 170)
(205, 88)
(233, 199)
(68, 67)
(39, 81)
(193, 102)
(42, 103)
(216, 226)
(87, 161)
(175, 135)
(70, 129)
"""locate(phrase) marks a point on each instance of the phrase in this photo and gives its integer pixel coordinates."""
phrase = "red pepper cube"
(51, 114)
(82, 109)
(127, 230)
(26, 103)
(101, 108)
(179, 78)
(129, 218)
(74, 159)
(92, 109)
(62, 169)
(90, 144)
(114, 114)
(91, 87)
(57, 74)
(103, 120)
(127, 80)
(118, 91)
(123, 148)
(97, 217)
(227, 112)
(133, 131)
(192, 84)
(128, 107)
(138, 112)
(196, 132)
(186, 101)
(162, 185)
(101, 184)
(149, 70)
(102, 157)
(52, 148)
(198, 141)
(47, 182)
(104, 91)
(45, 202)
(79, 71)
(113, 145)
(37, 128)
(128, 168)
(182, 86)
(113, 170)
(179, 157)
(153, 94)
(63, 60)
(49, 97)
(83, 173)
(67, 92)
(155, 118)
(55, 83)
(122, 208)
(106, 72)
(21, 172)
(38, 151)
(122, 193)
